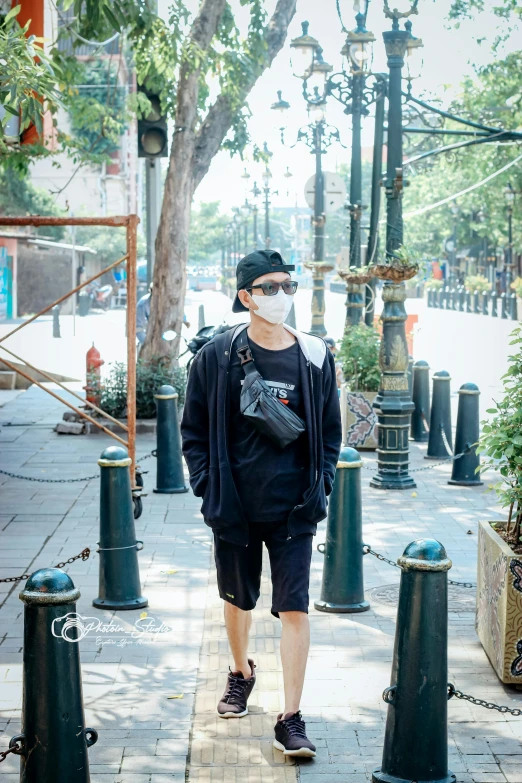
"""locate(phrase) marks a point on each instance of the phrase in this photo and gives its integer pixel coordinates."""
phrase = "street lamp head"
(303, 47)
(280, 105)
(288, 173)
(319, 71)
(317, 107)
(358, 46)
(245, 175)
(414, 61)
(509, 194)
(267, 176)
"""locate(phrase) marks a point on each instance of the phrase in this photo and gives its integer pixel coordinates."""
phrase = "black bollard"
(476, 306)
(453, 299)
(469, 306)
(440, 298)
(485, 302)
(503, 305)
(54, 738)
(201, 317)
(416, 736)
(513, 310)
(119, 582)
(494, 300)
(169, 468)
(409, 374)
(429, 297)
(440, 418)
(464, 471)
(56, 321)
(462, 297)
(343, 583)
(421, 398)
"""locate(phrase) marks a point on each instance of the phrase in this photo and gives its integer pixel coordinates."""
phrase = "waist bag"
(269, 416)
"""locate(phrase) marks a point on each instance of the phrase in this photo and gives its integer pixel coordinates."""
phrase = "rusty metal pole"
(131, 341)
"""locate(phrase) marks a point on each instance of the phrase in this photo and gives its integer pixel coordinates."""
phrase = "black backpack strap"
(245, 354)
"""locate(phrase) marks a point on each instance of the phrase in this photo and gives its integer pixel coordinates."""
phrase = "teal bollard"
(119, 579)
(503, 305)
(485, 303)
(416, 737)
(169, 467)
(494, 303)
(343, 580)
(464, 471)
(54, 739)
(513, 308)
(421, 399)
(440, 419)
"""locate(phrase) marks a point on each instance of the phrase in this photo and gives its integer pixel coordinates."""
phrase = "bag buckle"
(245, 355)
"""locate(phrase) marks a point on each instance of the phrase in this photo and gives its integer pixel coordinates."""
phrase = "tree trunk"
(190, 158)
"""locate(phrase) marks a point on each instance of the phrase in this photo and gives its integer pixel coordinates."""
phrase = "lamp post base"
(324, 606)
(392, 482)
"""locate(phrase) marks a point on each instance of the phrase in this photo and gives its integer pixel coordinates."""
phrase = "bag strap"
(245, 354)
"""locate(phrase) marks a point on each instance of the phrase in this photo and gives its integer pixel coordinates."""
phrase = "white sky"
(447, 55)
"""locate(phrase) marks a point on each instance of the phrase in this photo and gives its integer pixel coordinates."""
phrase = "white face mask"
(273, 309)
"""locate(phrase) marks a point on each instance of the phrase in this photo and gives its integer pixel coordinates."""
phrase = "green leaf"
(111, 18)
(12, 13)
(11, 110)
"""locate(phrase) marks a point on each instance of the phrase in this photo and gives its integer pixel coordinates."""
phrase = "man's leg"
(295, 643)
(238, 623)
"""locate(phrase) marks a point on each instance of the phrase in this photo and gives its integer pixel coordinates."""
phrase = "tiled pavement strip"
(145, 736)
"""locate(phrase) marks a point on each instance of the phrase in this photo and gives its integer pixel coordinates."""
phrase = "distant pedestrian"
(256, 490)
(143, 315)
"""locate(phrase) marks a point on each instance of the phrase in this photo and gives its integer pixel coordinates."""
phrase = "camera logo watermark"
(74, 627)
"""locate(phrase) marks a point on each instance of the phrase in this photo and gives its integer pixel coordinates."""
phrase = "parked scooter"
(100, 296)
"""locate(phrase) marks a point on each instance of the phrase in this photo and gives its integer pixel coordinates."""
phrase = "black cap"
(252, 266)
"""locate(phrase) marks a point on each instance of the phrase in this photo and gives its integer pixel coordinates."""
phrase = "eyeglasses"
(271, 288)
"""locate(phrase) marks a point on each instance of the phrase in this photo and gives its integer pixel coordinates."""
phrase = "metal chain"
(84, 555)
(367, 550)
(489, 705)
(15, 749)
(62, 481)
(435, 464)
(446, 442)
(425, 422)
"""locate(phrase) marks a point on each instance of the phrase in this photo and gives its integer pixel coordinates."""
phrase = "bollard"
(169, 468)
(54, 738)
(476, 306)
(453, 299)
(440, 298)
(343, 585)
(416, 736)
(421, 399)
(503, 307)
(468, 432)
(469, 306)
(494, 300)
(462, 297)
(201, 317)
(429, 297)
(56, 321)
(119, 583)
(440, 419)
(513, 310)
(409, 373)
(485, 302)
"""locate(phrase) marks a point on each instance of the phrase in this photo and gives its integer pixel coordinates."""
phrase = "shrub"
(516, 285)
(477, 283)
(501, 442)
(434, 285)
(359, 354)
(149, 377)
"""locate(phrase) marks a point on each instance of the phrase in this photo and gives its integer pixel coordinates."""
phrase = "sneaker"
(290, 736)
(234, 701)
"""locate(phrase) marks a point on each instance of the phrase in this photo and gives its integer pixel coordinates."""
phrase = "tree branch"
(221, 114)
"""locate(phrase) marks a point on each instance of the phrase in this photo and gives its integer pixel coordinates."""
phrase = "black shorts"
(239, 568)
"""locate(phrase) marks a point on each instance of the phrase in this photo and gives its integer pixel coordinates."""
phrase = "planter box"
(499, 603)
(358, 419)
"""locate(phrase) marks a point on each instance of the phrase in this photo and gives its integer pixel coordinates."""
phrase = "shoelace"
(235, 690)
(296, 726)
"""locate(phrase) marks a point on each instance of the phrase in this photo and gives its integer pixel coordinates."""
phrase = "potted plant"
(516, 285)
(499, 582)
(399, 269)
(359, 355)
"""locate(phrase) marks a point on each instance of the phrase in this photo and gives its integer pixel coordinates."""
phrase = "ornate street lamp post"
(393, 404)
(509, 195)
(455, 211)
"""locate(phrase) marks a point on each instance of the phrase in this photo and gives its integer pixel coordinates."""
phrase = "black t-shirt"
(270, 481)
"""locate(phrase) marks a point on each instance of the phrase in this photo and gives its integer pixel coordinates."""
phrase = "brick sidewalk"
(147, 733)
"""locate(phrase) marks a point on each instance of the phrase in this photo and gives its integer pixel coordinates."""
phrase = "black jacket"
(204, 429)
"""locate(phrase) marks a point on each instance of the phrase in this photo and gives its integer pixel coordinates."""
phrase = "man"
(143, 315)
(255, 492)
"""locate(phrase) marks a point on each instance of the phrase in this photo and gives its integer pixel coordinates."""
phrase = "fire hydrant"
(93, 385)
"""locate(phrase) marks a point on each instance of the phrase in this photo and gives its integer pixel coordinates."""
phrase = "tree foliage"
(207, 233)
(493, 97)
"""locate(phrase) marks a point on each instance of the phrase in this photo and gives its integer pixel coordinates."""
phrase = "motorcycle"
(204, 336)
(100, 296)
